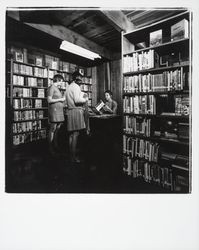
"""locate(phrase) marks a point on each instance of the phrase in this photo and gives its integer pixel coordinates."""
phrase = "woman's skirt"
(75, 120)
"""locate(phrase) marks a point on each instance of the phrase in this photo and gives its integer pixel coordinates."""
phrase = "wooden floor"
(38, 172)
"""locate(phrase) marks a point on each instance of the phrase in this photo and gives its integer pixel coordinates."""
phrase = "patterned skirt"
(75, 120)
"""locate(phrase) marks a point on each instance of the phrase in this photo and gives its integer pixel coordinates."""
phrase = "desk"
(105, 150)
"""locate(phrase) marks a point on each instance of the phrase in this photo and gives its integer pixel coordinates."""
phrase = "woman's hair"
(109, 92)
(58, 78)
(75, 75)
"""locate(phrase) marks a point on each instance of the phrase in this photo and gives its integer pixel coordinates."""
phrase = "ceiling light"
(75, 49)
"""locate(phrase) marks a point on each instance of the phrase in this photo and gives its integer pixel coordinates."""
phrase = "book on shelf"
(180, 30)
(181, 183)
(31, 58)
(17, 53)
(140, 61)
(28, 115)
(140, 148)
(29, 137)
(140, 45)
(145, 104)
(137, 126)
(65, 66)
(182, 105)
(22, 69)
(19, 56)
(183, 130)
(39, 61)
(156, 82)
(89, 72)
(48, 61)
(155, 37)
(150, 172)
(22, 103)
(55, 64)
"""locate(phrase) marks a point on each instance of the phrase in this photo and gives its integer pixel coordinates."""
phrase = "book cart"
(156, 103)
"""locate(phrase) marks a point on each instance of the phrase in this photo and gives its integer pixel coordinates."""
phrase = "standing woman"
(75, 100)
(55, 110)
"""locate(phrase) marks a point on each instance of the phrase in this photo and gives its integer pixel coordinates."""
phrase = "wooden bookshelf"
(29, 74)
(156, 93)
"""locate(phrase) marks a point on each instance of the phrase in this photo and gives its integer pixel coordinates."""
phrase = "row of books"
(27, 126)
(140, 148)
(28, 56)
(145, 104)
(182, 105)
(166, 81)
(28, 115)
(27, 92)
(140, 61)
(152, 173)
(85, 87)
(28, 81)
(137, 126)
(29, 137)
(29, 70)
(27, 103)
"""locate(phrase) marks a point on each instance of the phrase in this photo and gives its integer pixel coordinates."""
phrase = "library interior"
(98, 101)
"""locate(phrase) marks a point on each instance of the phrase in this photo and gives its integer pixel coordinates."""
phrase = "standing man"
(75, 99)
(55, 110)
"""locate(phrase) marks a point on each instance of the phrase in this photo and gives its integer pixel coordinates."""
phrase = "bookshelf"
(29, 73)
(156, 103)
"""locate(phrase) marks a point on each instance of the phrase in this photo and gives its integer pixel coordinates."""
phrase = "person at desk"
(55, 110)
(110, 106)
(75, 100)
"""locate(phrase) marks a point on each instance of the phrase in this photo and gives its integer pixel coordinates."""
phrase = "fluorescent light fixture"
(75, 49)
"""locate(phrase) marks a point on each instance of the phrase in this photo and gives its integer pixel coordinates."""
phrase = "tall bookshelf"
(156, 103)
(29, 73)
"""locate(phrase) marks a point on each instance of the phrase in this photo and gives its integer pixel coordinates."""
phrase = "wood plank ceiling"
(93, 25)
(141, 18)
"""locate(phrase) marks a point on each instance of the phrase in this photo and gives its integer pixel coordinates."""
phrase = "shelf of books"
(156, 103)
(29, 74)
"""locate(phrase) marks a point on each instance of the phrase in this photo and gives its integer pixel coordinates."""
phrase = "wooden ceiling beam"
(118, 20)
(64, 33)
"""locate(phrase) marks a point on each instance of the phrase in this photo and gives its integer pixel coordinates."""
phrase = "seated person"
(110, 106)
